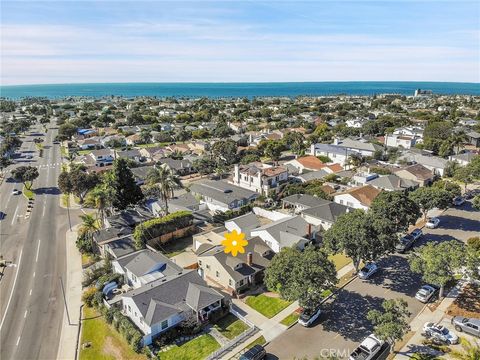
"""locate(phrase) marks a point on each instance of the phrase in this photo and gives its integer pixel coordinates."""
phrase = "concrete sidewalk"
(73, 294)
(414, 344)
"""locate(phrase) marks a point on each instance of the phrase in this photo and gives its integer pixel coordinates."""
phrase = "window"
(141, 320)
(217, 274)
(164, 324)
(241, 282)
(230, 282)
(208, 267)
(129, 308)
(200, 262)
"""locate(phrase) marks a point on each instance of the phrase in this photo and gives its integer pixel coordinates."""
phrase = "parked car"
(29, 156)
(417, 234)
(439, 334)
(469, 195)
(308, 316)
(405, 243)
(367, 349)
(16, 192)
(368, 270)
(432, 223)
(458, 201)
(257, 352)
(425, 293)
(468, 325)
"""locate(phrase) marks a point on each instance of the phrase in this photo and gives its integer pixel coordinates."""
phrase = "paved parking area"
(343, 324)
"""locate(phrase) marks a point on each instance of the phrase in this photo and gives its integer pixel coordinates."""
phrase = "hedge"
(157, 227)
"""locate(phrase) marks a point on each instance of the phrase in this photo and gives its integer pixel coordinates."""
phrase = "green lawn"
(230, 326)
(84, 152)
(340, 260)
(290, 319)
(259, 341)
(106, 342)
(29, 194)
(267, 306)
(196, 349)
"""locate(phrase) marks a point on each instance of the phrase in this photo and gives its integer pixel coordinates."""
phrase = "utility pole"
(65, 301)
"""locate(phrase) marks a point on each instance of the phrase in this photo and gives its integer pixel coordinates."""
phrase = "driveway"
(343, 324)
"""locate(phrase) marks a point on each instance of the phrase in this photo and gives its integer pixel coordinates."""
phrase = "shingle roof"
(304, 200)
(221, 191)
(146, 261)
(392, 182)
(122, 246)
(313, 175)
(159, 300)
(419, 171)
(110, 233)
(328, 212)
(364, 194)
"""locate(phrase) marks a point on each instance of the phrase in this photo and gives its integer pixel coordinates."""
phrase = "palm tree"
(71, 156)
(166, 181)
(469, 352)
(101, 197)
(355, 160)
(457, 139)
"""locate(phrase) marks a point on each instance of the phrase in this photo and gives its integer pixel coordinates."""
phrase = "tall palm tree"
(100, 195)
(89, 225)
(457, 139)
(166, 181)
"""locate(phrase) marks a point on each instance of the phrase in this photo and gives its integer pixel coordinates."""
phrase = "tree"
(26, 175)
(392, 324)
(393, 211)
(295, 141)
(463, 175)
(247, 159)
(450, 186)
(273, 149)
(428, 198)
(127, 192)
(102, 200)
(64, 183)
(81, 181)
(4, 162)
(325, 159)
(164, 179)
(473, 257)
(457, 139)
(355, 159)
(438, 262)
(88, 226)
(476, 202)
(354, 234)
(301, 275)
(224, 151)
(66, 131)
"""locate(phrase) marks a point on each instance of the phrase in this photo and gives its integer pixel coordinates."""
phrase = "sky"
(76, 41)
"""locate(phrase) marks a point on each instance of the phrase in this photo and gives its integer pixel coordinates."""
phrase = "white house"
(357, 198)
(261, 178)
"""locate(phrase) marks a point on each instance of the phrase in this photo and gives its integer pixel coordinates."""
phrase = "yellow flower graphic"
(234, 243)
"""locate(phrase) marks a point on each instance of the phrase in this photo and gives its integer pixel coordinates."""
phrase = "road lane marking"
(34, 274)
(31, 292)
(26, 312)
(13, 288)
(38, 250)
(18, 341)
(14, 215)
(43, 212)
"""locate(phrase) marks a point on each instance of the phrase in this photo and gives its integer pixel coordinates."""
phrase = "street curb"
(77, 348)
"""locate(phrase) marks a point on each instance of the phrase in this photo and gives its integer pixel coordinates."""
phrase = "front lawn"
(340, 260)
(105, 342)
(230, 326)
(196, 349)
(290, 319)
(267, 306)
(259, 341)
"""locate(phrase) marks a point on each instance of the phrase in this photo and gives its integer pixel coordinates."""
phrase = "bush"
(98, 299)
(221, 217)
(157, 227)
(324, 159)
(88, 296)
(136, 343)
(84, 244)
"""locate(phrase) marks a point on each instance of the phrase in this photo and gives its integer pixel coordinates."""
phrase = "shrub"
(136, 343)
(88, 296)
(98, 299)
(157, 227)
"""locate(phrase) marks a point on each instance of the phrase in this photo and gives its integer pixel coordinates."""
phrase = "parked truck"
(367, 349)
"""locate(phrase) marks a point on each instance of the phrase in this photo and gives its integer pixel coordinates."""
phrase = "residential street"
(344, 323)
(31, 300)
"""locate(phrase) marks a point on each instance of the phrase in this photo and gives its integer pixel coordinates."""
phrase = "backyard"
(196, 349)
(230, 326)
(105, 342)
(266, 305)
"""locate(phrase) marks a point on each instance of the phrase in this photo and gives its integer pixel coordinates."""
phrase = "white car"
(425, 293)
(417, 234)
(432, 223)
(308, 317)
(16, 192)
(368, 270)
(439, 333)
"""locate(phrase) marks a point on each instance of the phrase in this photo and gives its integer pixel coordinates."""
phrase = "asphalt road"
(343, 325)
(31, 310)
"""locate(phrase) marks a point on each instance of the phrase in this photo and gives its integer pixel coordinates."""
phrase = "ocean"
(219, 90)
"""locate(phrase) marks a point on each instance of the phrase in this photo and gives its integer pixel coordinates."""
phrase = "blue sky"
(219, 41)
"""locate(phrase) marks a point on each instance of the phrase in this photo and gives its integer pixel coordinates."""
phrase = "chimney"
(249, 259)
(310, 231)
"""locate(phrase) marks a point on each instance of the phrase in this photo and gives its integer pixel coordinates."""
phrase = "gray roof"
(468, 156)
(433, 161)
(328, 212)
(162, 298)
(473, 134)
(392, 182)
(184, 201)
(141, 172)
(333, 149)
(313, 175)
(129, 153)
(287, 232)
(176, 164)
(110, 233)
(246, 221)
(147, 261)
(261, 257)
(130, 217)
(122, 246)
(304, 200)
(358, 145)
(222, 191)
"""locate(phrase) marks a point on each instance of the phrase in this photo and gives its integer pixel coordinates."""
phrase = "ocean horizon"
(235, 89)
